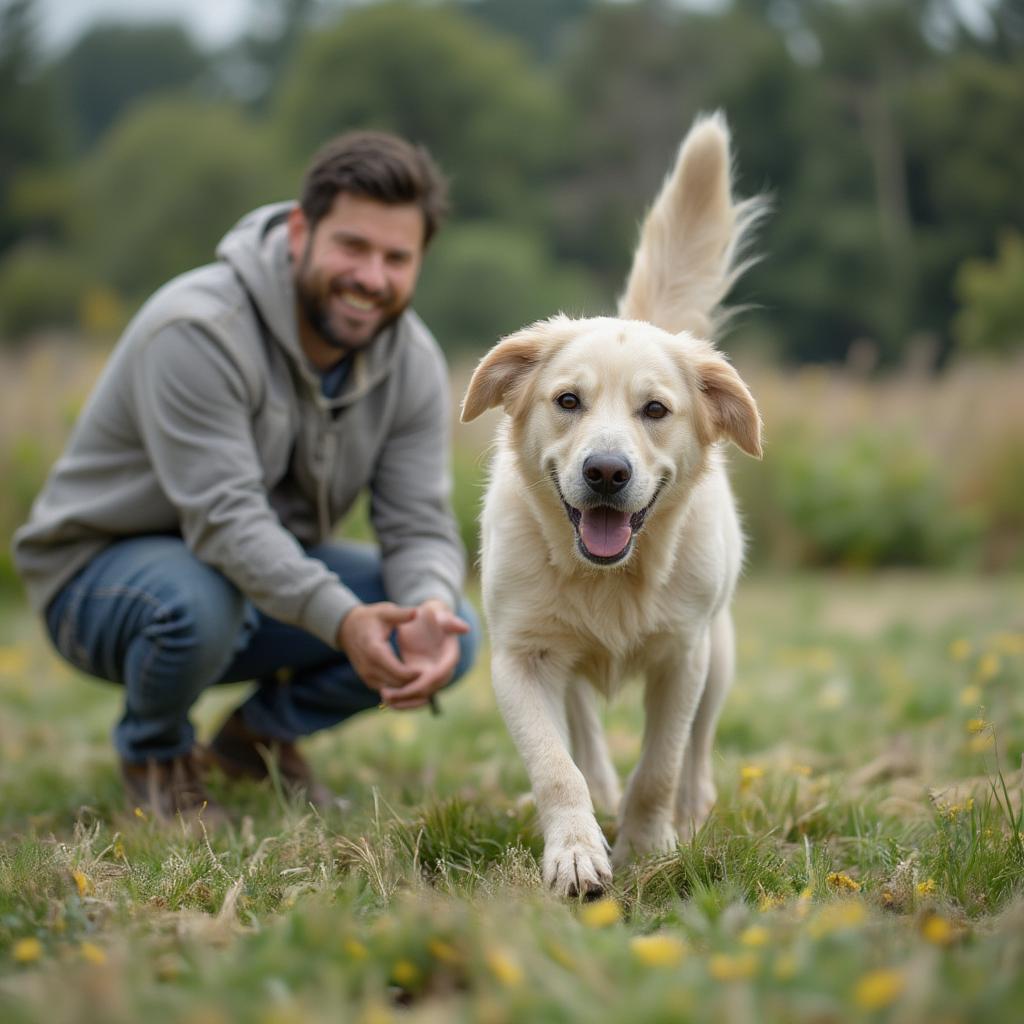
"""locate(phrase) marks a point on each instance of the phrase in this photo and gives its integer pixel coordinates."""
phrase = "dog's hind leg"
(696, 794)
(588, 746)
(671, 699)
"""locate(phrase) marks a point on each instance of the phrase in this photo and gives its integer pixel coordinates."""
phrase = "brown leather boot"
(241, 753)
(167, 789)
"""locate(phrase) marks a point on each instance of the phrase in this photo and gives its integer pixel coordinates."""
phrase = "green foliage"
(112, 67)
(40, 286)
(484, 280)
(166, 184)
(865, 500)
(494, 123)
(31, 129)
(992, 298)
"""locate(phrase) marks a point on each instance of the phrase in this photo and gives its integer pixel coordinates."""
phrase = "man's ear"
(730, 410)
(501, 374)
(298, 234)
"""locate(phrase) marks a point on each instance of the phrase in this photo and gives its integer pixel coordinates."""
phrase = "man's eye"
(655, 410)
(568, 400)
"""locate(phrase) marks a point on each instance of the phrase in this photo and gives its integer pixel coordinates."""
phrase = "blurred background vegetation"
(884, 333)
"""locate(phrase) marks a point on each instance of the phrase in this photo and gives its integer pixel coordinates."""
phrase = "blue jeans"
(147, 614)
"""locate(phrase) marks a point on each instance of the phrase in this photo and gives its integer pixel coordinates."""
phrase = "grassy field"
(865, 861)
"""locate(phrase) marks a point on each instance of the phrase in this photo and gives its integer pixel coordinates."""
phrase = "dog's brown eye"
(655, 410)
(568, 401)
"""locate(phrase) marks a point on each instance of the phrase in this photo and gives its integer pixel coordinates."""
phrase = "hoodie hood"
(256, 248)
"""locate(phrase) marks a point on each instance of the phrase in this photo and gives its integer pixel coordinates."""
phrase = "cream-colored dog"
(611, 543)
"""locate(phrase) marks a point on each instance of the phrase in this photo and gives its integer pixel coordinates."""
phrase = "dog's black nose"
(606, 474)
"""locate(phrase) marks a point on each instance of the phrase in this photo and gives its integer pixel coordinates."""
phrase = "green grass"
(865, 861)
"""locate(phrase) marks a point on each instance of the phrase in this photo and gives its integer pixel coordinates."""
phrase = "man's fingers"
(452, 624)
(386, 662)
(423, 686)
(394, 614)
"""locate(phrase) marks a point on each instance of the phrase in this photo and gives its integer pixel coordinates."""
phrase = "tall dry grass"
(912, 467)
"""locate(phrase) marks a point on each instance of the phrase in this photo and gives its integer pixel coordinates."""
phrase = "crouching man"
(184, 537)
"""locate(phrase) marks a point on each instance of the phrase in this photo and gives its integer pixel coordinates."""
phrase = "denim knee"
(186, 644)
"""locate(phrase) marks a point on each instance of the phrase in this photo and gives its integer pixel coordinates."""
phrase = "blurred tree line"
(887, 131)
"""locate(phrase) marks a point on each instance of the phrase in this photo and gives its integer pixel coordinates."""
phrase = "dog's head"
(614, 416)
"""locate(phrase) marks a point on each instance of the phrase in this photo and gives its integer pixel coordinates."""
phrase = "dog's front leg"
(589, 749)
(675, 682)
(531, 695)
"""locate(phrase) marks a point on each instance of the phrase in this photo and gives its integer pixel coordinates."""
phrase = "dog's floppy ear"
(500, 375)
(730, 410)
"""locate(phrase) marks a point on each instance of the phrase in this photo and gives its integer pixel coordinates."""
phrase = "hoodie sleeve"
(194, 413)
(422, 554)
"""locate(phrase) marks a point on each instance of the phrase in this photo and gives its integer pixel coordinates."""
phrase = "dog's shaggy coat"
(611, 544)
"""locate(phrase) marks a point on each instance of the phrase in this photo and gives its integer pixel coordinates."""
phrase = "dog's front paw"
(651, 837)
(576, 860)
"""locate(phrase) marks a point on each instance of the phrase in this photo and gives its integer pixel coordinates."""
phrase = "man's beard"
(315, 296)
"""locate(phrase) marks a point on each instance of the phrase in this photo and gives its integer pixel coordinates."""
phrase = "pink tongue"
(605, 532)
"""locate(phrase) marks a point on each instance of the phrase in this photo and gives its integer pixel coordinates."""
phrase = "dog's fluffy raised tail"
(692, 240)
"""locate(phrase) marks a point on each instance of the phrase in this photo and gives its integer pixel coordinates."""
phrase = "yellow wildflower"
(749, 774)
(402, 729)
(26, 951)
(803, 901)
(970, 696)
(504, 967)
(375, 1013)
(960, 649)
(880, 988)
(1009, 643)
(841, 880)
(119, 850)
(443, 951)
(723, 967)
(976, 725)
(140, 814)
(756, 935)
(355, 949)
(926, 888)
(405, 973)
(769, 901)
(937, 930)
(785, 966)
(836, 917)
(981, 743)
(658, 950)
(988, 667)
(13, 661)
(561, 955)
(804, 770)
(82, 883)
(600, 913)
(92, 954)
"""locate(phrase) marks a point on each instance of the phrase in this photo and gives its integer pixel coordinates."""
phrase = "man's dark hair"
(375, 165)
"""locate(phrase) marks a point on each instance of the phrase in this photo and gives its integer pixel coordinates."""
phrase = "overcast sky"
(214, 22)
(211, 22)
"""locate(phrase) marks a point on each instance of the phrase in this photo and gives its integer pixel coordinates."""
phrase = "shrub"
(869, 499)
(40, 287)
(992, 293)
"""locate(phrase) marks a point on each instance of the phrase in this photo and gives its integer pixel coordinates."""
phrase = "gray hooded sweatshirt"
(209, 422)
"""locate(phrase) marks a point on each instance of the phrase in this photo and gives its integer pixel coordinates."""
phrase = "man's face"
(355, 271)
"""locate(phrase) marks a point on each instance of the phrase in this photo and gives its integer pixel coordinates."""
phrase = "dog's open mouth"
(605, 534)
